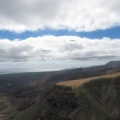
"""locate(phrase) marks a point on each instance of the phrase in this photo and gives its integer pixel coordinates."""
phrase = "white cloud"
(59, 48)
(78, 15)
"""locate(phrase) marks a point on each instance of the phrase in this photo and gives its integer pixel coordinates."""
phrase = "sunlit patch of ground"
(79, 82)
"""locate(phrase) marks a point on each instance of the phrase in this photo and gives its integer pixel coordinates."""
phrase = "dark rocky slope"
(94, 100)
(113, 64)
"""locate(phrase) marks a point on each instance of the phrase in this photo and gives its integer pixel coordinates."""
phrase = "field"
(77, 83)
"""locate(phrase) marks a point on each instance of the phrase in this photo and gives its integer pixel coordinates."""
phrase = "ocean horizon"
(24, 71)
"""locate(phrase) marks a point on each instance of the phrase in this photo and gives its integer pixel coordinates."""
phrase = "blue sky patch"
(112, 33)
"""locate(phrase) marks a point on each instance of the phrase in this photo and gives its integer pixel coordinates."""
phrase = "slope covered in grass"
(79, 82)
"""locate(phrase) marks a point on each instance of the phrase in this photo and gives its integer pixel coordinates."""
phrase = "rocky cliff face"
(94, 100)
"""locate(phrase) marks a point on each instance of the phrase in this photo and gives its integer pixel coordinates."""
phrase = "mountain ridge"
(113, 64)
(93, 94)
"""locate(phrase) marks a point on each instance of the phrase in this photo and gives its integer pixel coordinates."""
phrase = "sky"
(45, 35)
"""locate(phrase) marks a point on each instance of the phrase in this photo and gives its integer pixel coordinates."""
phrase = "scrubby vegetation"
(51, 96)
(95, 100)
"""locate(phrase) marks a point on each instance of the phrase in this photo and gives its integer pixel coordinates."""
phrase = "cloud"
(78, 15)
(59, 48)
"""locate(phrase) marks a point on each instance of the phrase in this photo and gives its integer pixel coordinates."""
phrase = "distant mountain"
(113, 64)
